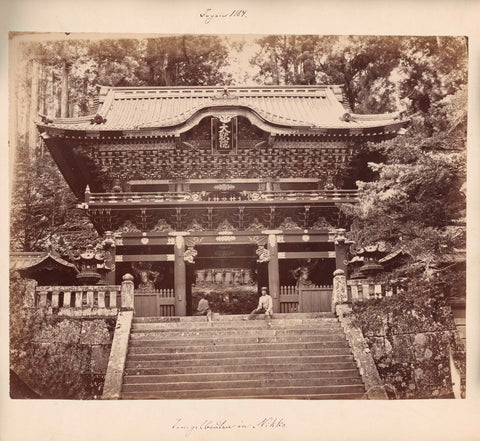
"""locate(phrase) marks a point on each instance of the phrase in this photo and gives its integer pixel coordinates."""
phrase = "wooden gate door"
(155, 304)
(315, 300)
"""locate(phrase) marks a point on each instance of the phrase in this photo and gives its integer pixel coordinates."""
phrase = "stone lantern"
(354, 266)
(88, 263)
(371, 255)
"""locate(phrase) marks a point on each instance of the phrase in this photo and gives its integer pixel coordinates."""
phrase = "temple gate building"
(218, 190)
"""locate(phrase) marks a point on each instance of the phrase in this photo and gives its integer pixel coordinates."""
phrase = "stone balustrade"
(80, 300)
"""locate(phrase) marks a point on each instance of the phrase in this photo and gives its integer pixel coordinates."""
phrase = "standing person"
(203, 308)
(265, 305)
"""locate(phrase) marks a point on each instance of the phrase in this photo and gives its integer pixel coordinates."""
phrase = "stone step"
(160, 355)
(152, 368)
(307, 396)
(206, 341)
(304, 356)
(249, 391)
(244, 324)
(234, 332)
(234, 320)
(240, 384)
(218, 346)
(238, 376)
(235, 317)
(229, 363)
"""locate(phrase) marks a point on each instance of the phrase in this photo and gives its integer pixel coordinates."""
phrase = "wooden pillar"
(273, 269)
(341, 250)
(180, 274)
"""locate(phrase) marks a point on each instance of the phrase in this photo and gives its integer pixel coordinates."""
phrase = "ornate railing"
(92, 299)
(205, 196)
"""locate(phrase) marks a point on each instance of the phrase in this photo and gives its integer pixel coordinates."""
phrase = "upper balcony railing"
(133, 198)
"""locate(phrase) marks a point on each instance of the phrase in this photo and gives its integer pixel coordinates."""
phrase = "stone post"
(341, 250)
(339, 294)
(110, 257)
(87, 194)
(127, 292)
(29, 299)
(273, 268)
(180, 274)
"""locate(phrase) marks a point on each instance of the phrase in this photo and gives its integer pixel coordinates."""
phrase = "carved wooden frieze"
(322, 224)
(289, 224)
(128, 227)
(195, 225)
(162, 227)
(225, 225)
(256, 225)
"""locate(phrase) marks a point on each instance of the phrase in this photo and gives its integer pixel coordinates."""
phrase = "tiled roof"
(168, 109)
(23, 261)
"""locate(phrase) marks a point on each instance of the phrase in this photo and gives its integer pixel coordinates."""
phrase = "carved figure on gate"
(145, 283)
(148, 278)
(303, 273)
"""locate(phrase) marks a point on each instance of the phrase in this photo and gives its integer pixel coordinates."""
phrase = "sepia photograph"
(213, 216)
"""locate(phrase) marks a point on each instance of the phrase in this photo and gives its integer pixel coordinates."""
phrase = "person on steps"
(203, 308)
(265, 306)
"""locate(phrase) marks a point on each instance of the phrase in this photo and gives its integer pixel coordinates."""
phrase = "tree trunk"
(24, 104)
(64, 97)
(285, 61)
(275, 74)
(42, 102)
(44, 86)
(53, 94)
(32, 129)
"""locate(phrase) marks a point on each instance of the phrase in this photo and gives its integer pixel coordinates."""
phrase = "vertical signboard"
(224, 134)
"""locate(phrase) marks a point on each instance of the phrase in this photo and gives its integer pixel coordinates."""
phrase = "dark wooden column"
(180, 274)
(273, 269)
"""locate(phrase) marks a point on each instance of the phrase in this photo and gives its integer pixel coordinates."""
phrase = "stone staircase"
(300, 356)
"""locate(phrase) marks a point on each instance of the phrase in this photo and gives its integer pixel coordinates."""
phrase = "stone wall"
(67, 358)
(410, 340)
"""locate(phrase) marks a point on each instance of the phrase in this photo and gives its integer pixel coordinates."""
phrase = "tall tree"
(417, 202)
(286, 59)
(185, 60)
